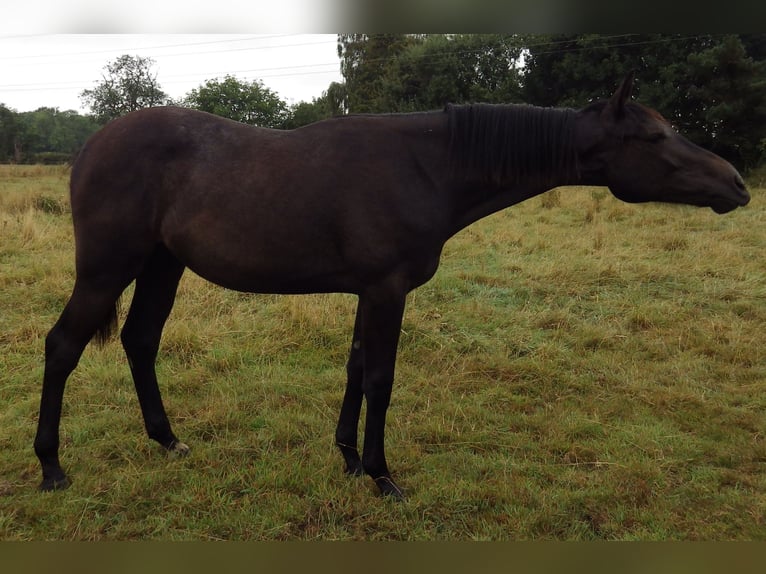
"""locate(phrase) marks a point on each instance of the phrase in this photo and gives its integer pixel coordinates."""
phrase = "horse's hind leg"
(91, 306)
(152, 302)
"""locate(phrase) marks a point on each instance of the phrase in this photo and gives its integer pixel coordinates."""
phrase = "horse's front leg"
(380, 327)
(348, 422)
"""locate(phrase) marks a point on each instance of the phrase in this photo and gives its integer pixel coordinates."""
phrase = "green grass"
(578, 369)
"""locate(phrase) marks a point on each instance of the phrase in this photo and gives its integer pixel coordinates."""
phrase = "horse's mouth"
(722, 206)
(737, 197)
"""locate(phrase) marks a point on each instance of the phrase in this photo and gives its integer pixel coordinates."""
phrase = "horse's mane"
(510, 143)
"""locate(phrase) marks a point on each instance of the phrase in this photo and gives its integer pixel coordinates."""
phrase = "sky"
(52, 69)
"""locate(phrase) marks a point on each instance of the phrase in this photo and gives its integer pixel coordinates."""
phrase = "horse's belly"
(272, 254)
(260, 267)
(296, 281)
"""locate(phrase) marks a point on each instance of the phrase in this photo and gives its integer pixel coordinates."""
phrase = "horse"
(360, 204)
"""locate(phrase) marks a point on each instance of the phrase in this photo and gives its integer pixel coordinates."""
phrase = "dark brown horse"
(360, 204)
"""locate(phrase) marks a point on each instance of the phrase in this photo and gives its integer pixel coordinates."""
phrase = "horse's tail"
(109, 327)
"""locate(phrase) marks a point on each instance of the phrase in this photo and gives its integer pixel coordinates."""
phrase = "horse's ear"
(616, 105)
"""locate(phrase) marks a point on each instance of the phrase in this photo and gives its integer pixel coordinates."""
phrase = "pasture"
(578, 369)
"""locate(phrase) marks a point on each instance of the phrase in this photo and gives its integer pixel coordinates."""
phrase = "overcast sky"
(53, 69)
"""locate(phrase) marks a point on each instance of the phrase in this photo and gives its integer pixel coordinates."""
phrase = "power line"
(279, 71)
(159, 47)
(434, 55)
(190, 48)
(620, 45)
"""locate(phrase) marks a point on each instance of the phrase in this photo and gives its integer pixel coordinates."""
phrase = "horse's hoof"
(389, 489)
(52, 484)
(353, 466)
(354, 469)
(178, 450)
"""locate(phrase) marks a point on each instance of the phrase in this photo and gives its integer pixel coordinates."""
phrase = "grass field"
(578, 369)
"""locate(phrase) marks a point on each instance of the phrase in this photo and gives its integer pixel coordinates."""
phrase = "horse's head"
(635, 151)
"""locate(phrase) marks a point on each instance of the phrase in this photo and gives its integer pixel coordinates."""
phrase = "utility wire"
(161, 46)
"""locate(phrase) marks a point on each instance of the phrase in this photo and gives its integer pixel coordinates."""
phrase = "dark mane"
(510, 143)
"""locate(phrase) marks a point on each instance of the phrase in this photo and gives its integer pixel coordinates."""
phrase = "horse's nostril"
(739, 182)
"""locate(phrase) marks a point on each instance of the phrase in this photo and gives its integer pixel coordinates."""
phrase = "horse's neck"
(502, 155)
(472, 204)
(470, 193)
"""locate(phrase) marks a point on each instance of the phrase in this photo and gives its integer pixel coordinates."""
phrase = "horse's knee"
(377, 390)
(355, 363)
(61, 356)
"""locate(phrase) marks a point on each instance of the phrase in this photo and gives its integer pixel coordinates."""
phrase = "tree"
(455, 68)
(730, 91)
(711, 87)
(331, 103)
(48, 135)
(246, 102)
(365, 61)
(336, 97)
(45, 135)
(573, 69)
(397, 72)
(706, 85)
(128, 85)
(10, 132)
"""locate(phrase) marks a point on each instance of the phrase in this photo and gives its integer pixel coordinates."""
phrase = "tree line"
(711, 87)
(48, 135)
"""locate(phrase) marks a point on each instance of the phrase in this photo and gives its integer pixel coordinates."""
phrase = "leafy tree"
(460, 68)
(246, 102)
(397, 72)
(707, 85)
(304, 113)
(336, 98)
(10, 132)
(52, 135)
(42, 136)
(330, 103)
(573, 69)
(128, 85)
(40, 131)
(365, 61)
(729, 89)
